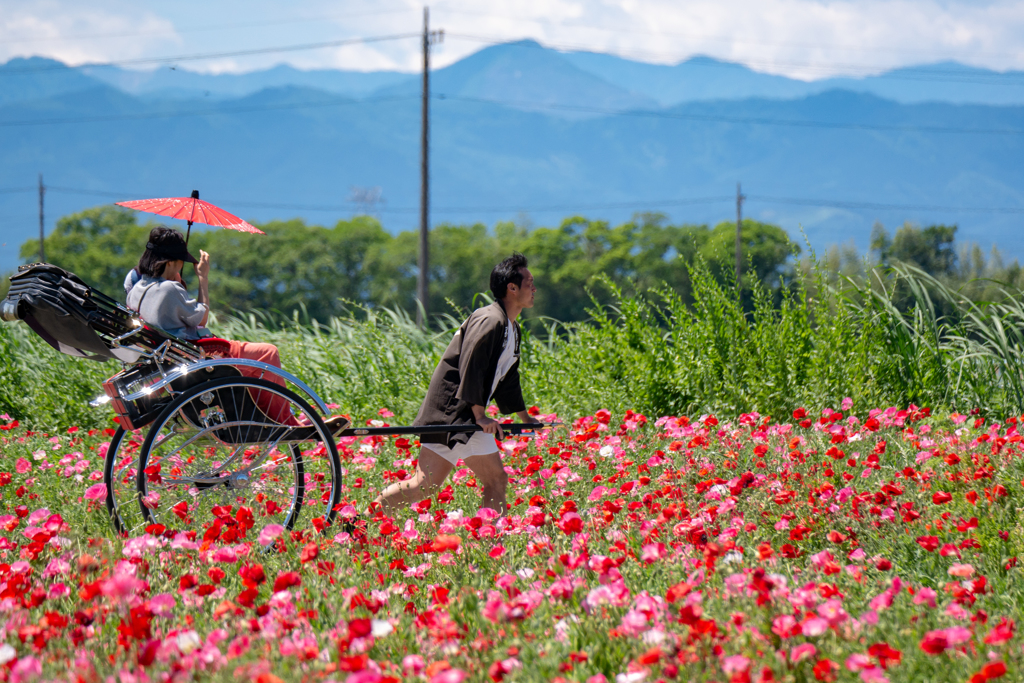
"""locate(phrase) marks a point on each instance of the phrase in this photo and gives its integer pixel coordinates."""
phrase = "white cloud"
(76, 33)
(800, 38)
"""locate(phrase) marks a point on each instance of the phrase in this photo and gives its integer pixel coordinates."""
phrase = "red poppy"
(252, 575)
(359, 628)
(286, 580)
(825, 670)
(445, 542)
(439, 595)
(836, 537)
(993, 670)
(147, 654)
(1002, 632)
(885, 654)
(570, 523)
(934, 642)
(678, 591)
(247, 598)
(309, 552)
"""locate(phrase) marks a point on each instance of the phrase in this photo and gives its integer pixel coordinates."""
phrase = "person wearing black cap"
(160, 299)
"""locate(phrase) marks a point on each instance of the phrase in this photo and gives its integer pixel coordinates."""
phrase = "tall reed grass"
(822, 340)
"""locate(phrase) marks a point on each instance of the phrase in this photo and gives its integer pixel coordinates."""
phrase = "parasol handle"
(195, 195)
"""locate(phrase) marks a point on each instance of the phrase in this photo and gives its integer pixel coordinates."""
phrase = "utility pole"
(423, 284)
(739, 226)
(42, 192)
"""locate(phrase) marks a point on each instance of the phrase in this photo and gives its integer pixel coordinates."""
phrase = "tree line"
(329, 271)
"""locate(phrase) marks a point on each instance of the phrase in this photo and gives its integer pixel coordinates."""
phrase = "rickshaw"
(195, 447)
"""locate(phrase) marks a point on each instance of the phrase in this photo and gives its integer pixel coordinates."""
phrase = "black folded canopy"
(68, 314)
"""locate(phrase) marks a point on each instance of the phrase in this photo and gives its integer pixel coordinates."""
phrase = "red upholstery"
(214, 345)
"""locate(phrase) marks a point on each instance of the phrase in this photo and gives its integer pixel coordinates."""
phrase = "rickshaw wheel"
(120, 467)
(214, 463)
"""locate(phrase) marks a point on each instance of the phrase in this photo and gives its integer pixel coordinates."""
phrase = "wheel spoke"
(212, 452)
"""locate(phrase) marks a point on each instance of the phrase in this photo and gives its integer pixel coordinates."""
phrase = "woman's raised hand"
(203, 267)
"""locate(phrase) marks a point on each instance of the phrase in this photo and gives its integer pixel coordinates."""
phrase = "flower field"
(849, 544)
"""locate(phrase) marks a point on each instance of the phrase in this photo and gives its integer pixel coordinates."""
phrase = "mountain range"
(528, 133)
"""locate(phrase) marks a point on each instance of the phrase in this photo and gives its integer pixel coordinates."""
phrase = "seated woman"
(160, 299)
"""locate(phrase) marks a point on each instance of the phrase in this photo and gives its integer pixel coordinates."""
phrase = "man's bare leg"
(490, 472)
(431, 471)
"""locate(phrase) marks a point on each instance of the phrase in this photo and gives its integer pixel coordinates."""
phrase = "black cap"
(172, 250)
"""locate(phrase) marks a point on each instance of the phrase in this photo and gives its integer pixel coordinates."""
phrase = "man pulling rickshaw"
(480, 364)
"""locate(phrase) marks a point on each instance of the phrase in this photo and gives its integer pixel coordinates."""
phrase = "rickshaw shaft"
(518, 428)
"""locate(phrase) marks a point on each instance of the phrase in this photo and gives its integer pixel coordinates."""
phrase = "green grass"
(823, 339)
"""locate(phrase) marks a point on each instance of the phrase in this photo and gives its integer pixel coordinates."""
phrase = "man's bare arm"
(487, 424)
(525, 418)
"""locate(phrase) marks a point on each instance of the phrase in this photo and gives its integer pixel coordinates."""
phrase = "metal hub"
(238, 480)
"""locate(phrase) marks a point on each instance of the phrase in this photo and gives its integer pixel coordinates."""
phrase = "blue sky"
(806, 39)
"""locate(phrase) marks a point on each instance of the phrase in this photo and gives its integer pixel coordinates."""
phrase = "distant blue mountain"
(504, 149)
(526, 71)
(940, 82)
(525, 76)
(23, 80)
(696, 79)
(179, 83)
(705, 78)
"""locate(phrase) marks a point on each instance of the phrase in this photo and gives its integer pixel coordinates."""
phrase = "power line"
(647, 113)
(214, 55)
(841, 204)
(347, 206)
(633, 204)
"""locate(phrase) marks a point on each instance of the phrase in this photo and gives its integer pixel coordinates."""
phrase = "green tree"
(661, 252)
(766, 250)
(567, 259)
(461, 259)
(931, 249)
(320, 269)
(294, 265)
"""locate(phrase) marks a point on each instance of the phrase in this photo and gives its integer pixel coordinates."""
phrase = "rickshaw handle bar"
(519, 428)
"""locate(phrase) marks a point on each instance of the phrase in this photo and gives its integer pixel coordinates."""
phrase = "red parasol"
(193, 210)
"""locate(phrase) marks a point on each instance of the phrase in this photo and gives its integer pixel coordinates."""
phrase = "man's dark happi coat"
(465, 375)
